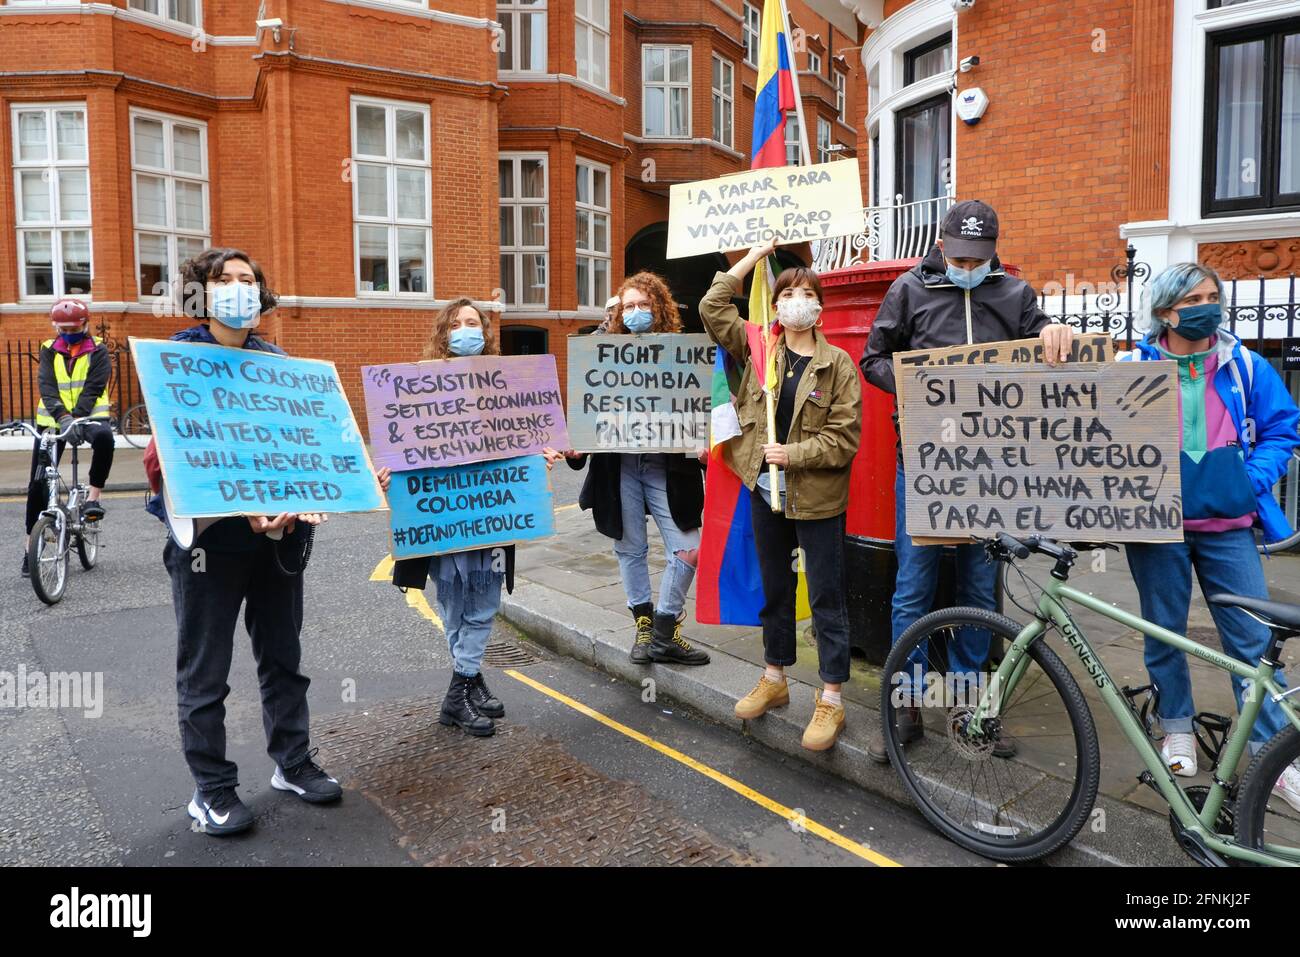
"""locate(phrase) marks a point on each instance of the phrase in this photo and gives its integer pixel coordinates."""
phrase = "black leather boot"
(668, 646)
(644, 615)
(485, 702)
(458, 709)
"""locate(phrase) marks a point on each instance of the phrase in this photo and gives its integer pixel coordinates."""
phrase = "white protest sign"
(788, 204)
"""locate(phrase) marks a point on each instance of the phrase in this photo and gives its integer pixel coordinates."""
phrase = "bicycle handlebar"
(1008, 546)
(17, 424)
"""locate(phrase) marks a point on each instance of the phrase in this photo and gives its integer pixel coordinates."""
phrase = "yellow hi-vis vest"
(70, 384)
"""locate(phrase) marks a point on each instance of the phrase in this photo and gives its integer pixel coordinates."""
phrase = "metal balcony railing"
(897, 231)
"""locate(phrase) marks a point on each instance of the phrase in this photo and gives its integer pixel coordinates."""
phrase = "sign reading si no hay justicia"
(788, 204)
(444, 412)
(244, 432)
(477, 505)
(640, 393)
(1081, 451)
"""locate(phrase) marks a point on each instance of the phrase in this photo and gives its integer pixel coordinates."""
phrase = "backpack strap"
(1243, 359)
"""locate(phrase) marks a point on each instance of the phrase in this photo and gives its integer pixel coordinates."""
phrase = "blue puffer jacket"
(1264, 414)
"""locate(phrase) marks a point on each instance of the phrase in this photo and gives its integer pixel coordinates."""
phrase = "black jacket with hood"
(925, 310)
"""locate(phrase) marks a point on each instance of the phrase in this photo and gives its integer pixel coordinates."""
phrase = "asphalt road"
(583, 770)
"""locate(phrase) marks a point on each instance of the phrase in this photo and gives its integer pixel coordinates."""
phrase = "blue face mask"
(465, 341)
(72, 338)
(638, 320)
(968, 278)
(1198, 322)
(237, 305)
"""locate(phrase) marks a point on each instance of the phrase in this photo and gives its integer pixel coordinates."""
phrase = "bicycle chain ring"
(1224, 824)
(969, 748)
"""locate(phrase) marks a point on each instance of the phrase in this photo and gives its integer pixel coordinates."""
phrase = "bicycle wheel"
(1265, 821)
(49, 566)
(1017, 809)
(135, 426)
(88, 547)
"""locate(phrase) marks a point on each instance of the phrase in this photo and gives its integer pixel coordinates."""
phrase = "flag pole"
(804, 151)
(769, 372)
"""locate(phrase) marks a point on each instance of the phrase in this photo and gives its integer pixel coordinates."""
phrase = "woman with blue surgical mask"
(468, 584)
(621, 489)
(1238, 430)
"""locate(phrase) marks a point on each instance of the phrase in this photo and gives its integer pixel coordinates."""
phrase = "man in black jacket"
(958, 295)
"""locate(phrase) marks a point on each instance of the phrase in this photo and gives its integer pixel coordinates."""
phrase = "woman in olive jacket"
(818, 429)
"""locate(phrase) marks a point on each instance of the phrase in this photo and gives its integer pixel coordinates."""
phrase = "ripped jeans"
(643, 487)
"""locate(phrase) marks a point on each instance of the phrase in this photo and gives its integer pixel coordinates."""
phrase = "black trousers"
(208, 588)
(780, 542)
(100, 437)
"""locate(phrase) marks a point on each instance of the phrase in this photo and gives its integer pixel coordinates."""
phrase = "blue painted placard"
(242, 432)
(437, 511)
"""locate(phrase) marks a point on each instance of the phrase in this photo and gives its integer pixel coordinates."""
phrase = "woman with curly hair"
(621, 489)
(468, 584)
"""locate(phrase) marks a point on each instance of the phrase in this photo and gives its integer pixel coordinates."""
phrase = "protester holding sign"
(818, 429)
(959, 294)
(1239, 429)
(621, 489)
(75, 368)
(468, 583)
(256, 561)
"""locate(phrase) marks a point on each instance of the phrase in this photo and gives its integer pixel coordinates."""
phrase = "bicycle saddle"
(1275, 614)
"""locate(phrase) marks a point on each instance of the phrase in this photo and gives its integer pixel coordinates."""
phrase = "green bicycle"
(1023, 810)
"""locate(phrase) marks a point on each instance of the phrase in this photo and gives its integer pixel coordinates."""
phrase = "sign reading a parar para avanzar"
(789, 204)
(640, 393)
(437, 511)
(1081, 451)
(243, 432)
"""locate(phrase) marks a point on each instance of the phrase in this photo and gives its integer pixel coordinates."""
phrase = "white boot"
(1179, 752)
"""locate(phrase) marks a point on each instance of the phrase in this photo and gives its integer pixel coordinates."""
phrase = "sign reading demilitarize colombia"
(1085, 451)
(241, 432)
(789, 204)
(445, 412)
(640, 393)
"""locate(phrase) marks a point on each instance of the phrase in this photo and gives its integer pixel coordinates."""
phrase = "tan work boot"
(826, 724)
(766, 694)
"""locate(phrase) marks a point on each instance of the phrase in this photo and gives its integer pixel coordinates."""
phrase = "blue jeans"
(467, 620)
(918, 581)
(1224, 562)
(643, 486)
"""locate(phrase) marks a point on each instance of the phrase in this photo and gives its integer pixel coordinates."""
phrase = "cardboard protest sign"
(242, 432)
(1080, 452)
(437, 511)
(640, 393)
(790, 204)
(450, 411)
(1091, 347)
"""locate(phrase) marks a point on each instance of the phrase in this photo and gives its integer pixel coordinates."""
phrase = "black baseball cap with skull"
(970, 231)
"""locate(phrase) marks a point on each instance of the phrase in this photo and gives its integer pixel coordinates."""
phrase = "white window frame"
(793, 148)
(515, 11)
(667, 85)
(814, 62)
(825, 140)
(841, 98)
(520, 249)
(142, 7)
(50, 166)
(596, 300)
(751, 33)
(167, 172)
(392, 221)
(723, 103)
(590, 28)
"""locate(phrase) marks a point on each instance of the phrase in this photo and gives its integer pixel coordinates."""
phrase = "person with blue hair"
(1239, 431)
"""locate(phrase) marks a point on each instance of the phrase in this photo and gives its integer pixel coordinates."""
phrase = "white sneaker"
(1288, 787)
(1179, 752)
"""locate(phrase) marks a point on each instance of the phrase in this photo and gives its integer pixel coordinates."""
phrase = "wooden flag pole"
(769, 365)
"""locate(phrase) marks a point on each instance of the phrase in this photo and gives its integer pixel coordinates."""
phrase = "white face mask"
(798, 312)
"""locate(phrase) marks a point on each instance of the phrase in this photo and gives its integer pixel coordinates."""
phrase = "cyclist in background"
(1238, 434)
(75, 368)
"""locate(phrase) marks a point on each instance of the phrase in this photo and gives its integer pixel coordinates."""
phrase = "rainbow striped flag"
(729, 589)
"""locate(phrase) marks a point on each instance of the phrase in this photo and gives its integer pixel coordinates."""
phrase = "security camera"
(968, 64)
(273, 25)
(960, 5)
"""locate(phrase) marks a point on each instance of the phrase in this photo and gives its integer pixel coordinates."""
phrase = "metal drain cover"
(508, 654)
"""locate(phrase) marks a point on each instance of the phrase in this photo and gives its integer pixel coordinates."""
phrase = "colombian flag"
(729, 589)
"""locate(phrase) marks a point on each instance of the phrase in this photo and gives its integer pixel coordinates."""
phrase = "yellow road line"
(414, 597)
(762, 800)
